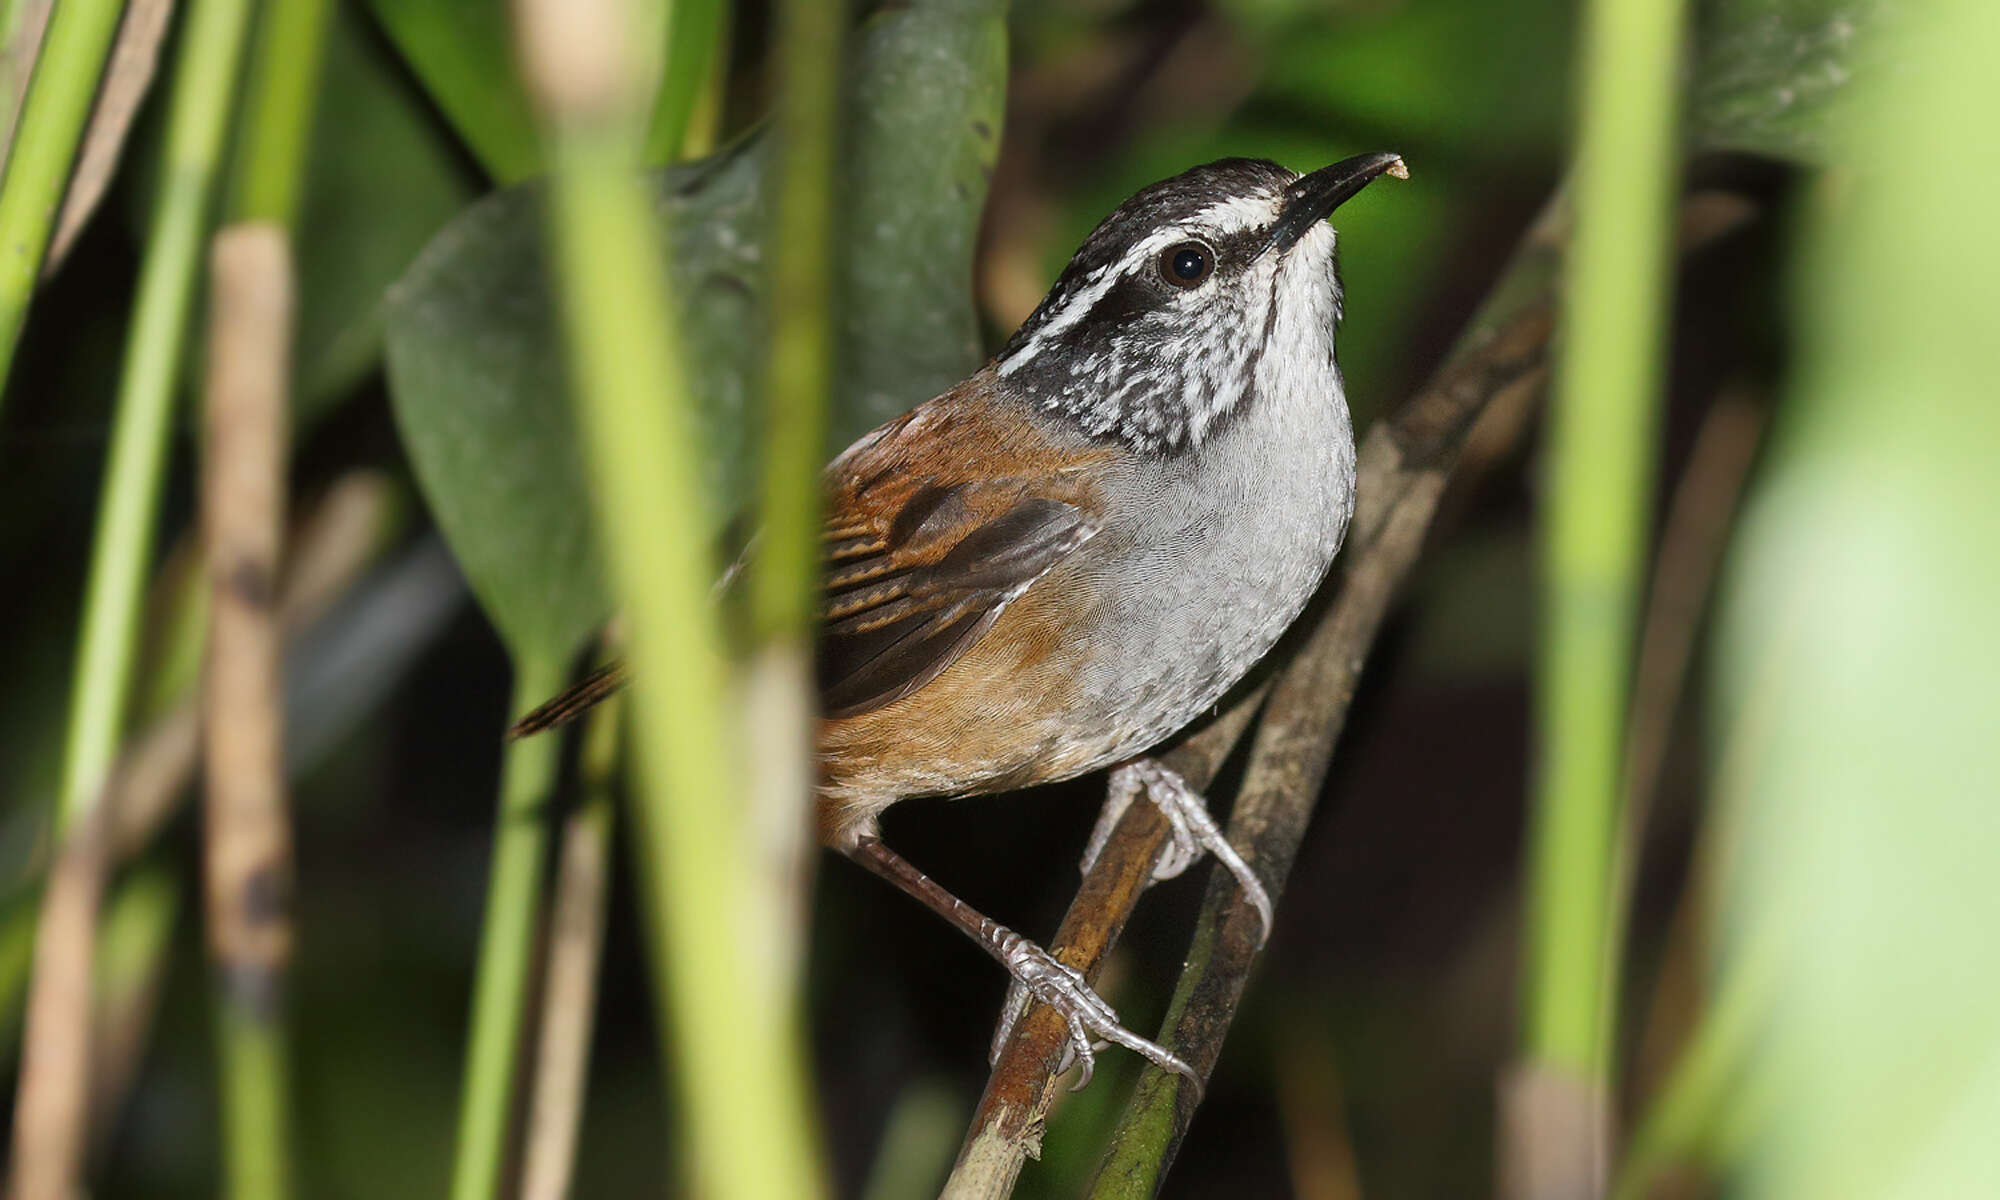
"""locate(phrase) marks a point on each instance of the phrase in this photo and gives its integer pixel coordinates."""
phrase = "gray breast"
(1210, 556)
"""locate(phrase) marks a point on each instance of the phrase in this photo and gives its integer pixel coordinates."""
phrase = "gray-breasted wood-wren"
(1071, 555)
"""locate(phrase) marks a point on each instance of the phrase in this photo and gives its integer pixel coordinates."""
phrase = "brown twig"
(1699, 517)
(135, 59)
(243, 499)
(52, 1106)
(249, 841)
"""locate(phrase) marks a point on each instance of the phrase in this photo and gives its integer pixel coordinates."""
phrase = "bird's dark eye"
(1186, 264)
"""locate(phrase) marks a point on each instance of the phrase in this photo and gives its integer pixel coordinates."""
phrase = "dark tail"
(590, 691)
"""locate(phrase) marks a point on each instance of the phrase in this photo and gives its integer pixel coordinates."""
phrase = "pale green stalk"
(736, 1044)
(784, 580)
(507, 942)
(731, 1020)
(694, 62)
(53, 117)
(198, 122)
(279, 106)
(256, 1084)
(1601, 450)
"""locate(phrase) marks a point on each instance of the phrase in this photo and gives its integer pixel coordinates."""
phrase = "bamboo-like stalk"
(248, 832)
(730, 1017)
(507, 943)
(281, 102)
(211, 48)
(48, 1135)
(128, 78)
(22, 24)
(583, 880)
(1601, 452)
(74, 48)
(569, 981)
(784, 574)
(247, 424)
(695, 62)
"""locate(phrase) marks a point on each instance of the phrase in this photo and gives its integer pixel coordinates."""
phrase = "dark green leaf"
(474, 354)
(1768, 73)
(462, 51)
(382, 179)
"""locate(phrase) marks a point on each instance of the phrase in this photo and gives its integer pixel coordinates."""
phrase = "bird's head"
(1158, 325)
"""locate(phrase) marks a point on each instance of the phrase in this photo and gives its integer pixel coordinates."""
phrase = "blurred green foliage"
(1857, 767)
(1771, 76)
(383, 177)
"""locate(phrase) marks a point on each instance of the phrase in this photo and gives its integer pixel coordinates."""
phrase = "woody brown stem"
(248, 858)
(52, 1103)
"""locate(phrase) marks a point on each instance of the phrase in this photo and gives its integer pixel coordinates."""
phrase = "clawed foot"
(1092, 1023)
(1194, 830)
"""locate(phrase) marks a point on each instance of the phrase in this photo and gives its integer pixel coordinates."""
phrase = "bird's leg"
(1036, 973)
(1194, 830)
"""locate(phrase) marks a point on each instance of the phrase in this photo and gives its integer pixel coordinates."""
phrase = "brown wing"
(935, 524)
(896, 615)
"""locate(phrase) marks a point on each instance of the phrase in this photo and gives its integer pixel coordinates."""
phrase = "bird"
(1065, 559)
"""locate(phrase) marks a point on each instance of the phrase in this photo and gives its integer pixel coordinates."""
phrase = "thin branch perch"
(1007, 1127)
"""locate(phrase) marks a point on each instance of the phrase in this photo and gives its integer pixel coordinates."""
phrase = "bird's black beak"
(1312, 198)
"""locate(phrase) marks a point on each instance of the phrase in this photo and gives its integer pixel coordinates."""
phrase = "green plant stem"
(784, 580)
(256, 1111)
(572, 963)
(198, 121)
(1600, 477)
(694, 41)
(732, 1021)
(278, 106)
(507, 942)
(53, 117)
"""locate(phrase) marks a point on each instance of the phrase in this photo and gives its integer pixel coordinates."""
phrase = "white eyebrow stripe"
(1238, 213)
(1221, 219)
(1078, 306)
